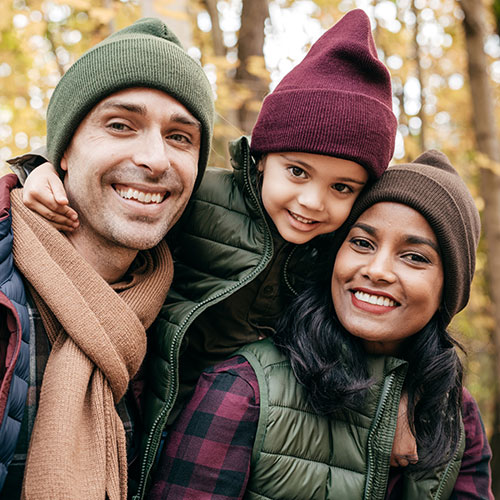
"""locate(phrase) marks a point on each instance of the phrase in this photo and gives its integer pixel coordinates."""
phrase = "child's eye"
(342, 188)
(297, 171)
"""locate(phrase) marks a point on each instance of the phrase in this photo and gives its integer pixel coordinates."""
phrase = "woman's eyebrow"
(365, 227)
(409, 238)
(420, 240)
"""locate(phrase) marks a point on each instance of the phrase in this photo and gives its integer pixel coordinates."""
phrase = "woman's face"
(387, 280)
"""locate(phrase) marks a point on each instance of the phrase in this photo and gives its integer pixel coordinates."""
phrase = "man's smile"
(146, 197)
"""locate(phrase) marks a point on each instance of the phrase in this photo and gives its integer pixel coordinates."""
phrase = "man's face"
(131, 167)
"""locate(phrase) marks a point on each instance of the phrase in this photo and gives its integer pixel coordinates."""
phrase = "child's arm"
(44, 194)
(404, 446)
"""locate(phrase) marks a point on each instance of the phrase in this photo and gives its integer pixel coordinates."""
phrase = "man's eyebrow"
(126, 106)
(141, 110)
(186, 120)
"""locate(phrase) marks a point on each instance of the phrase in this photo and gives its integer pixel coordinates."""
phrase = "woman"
(314, 414)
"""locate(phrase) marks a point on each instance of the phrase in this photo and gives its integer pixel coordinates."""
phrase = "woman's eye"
(417, 258)
(360, 243)
(342, 188)
(297, 171)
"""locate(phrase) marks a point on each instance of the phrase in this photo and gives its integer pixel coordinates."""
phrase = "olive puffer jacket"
(300, 454)
(222, 243)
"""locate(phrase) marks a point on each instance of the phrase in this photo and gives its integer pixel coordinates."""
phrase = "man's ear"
(64, 163)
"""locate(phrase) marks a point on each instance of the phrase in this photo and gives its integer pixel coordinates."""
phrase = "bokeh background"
(443, 55)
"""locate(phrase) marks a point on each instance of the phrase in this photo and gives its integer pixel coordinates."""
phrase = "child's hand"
(44, 194)
(404, 447)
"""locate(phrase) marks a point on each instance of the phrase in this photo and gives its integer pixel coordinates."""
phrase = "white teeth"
(301, 219)
(134, 194)
(374, 299)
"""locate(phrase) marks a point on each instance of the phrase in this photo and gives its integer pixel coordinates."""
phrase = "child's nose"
(311, 197)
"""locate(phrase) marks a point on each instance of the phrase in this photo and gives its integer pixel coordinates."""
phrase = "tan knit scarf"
(77, 448)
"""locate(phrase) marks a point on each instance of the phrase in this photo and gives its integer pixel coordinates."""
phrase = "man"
(129, 129)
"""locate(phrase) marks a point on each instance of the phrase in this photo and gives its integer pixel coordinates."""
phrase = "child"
(312, 413)
(250, 236)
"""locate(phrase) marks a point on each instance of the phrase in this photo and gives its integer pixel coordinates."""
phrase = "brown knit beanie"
(432, 186)
(336, 102)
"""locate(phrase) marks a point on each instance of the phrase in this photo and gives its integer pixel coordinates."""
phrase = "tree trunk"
(216, 32)
(251, 73)
(487, 143)
(420, 77)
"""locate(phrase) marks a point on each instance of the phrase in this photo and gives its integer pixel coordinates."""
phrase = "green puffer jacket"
(299, 454)
(221, 244)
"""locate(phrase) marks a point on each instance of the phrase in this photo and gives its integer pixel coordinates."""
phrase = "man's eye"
(179, 138)
(296, 171)
(119, 126)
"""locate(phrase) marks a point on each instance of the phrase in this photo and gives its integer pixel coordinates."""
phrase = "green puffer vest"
(303, 456)
(221, 243)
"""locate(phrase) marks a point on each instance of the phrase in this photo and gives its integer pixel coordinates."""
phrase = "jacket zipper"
(153, 438)
(447, 471)
(371, 460)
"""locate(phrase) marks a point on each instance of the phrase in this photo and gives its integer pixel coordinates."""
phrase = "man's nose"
(152, 152)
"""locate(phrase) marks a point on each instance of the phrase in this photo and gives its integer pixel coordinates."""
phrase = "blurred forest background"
(443, 55)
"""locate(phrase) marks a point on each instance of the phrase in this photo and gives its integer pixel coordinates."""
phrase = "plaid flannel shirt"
(209, 447)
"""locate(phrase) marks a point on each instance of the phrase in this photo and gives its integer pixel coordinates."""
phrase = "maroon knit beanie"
(432, 187)
(336, 102)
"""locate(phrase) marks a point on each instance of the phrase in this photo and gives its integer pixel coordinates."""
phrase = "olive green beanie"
(432, 187)
(145, 54)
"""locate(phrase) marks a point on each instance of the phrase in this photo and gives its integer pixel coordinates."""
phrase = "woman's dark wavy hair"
(331, 364)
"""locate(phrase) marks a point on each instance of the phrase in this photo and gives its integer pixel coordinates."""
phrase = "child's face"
(308, 194)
